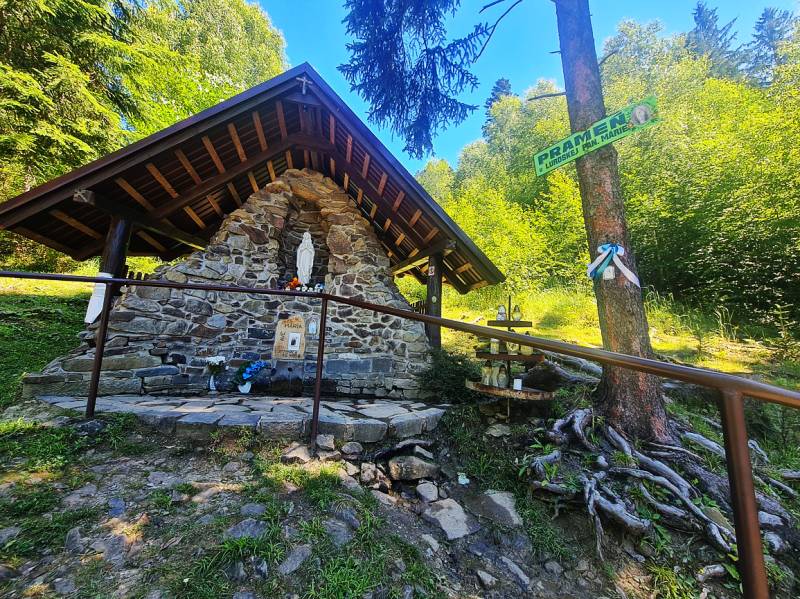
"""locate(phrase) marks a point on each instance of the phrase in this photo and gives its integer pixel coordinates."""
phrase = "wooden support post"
(433, 303)
(323, 323)
(116, 247)
(112, 262)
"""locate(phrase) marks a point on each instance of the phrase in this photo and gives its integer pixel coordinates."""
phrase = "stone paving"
(363, 420)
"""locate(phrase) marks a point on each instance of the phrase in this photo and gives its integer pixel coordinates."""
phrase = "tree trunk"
(630, 400)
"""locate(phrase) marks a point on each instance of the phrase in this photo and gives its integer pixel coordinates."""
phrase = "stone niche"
(159, 338)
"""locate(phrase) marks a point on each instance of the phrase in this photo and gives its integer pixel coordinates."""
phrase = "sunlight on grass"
(570, 314)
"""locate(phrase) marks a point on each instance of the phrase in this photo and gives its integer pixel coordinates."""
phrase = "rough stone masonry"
(159, 338)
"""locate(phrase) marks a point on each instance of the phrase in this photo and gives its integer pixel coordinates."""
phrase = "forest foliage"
(79, 79)
(712, 192)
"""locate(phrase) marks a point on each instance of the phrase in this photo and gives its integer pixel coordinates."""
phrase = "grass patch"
(204, 578)
(40, 532)
(31, 446)
(38, 322)
(701, 338)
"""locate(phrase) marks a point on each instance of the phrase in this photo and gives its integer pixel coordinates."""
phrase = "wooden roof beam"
(382, 184)
(210, 185)
(237, 143)
(262, 140)
(187, 166)
(151, 240)
(144, 221)
(75, 223)
(365, 167)
(444, 247)
(234, 194)
(398, 200)
(281, 118)
(51, 243)
(212, 151)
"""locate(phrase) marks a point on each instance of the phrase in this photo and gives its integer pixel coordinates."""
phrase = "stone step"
(364, 421)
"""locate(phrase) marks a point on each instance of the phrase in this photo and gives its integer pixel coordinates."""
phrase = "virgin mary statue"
(305, 259)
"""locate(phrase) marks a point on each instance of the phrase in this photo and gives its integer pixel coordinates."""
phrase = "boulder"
(521, 578)
(428, 492)
(297, 453)
(497, 506)
(246, 528)
(352, 448)
(252, 509)
(326, 442)
(411, 468)
(451, 518)
(294, 560)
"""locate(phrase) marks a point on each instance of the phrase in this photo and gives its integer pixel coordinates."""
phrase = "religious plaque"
(290, 339)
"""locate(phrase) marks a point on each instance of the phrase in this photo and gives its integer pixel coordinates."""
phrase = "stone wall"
(158, 338)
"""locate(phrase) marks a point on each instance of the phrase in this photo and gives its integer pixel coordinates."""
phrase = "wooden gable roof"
(177, 185)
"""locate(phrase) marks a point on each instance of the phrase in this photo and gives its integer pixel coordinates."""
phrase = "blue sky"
(519, 51)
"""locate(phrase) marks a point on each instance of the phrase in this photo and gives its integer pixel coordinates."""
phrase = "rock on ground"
(297, 453)
(487, 580)
(428, 492)
(451, 518)
(497, 506)
(520, 576)
(246, 528)
(326, 442)
(295, 559)
(411, 468)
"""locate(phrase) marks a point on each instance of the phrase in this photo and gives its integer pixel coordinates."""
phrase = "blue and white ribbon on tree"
(610, 252)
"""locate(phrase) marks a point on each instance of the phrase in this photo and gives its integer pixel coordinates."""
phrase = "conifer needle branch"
(494, 27)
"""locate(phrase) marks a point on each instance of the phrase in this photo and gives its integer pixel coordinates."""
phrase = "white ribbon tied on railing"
(610, 252)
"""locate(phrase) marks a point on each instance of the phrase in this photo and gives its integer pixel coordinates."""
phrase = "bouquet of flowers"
(215, 364)
(247, 371)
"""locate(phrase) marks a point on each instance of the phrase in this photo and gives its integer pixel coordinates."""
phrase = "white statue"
(305, 259)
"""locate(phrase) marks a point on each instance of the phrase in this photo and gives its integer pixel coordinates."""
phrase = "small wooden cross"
(305, 81)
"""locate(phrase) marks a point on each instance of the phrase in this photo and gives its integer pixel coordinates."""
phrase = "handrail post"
(99, 349)
(323, 324)
(745, 511)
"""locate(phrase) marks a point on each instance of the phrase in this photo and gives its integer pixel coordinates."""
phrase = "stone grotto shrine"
(225, 198)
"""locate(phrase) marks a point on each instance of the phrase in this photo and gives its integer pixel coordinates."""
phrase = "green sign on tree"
(620, 124)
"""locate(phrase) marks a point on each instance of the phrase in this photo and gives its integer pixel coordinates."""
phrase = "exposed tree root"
(657, 477)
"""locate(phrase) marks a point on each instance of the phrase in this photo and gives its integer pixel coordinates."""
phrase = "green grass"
(39, 534)
(34, 329)
(30, 446)
(709, 340)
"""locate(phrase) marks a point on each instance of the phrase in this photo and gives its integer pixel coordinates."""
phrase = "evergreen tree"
(501, 88)
(709, 40)
(772, 29)
(404, 66)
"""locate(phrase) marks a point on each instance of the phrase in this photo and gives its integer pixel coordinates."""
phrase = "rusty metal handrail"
(732, 390)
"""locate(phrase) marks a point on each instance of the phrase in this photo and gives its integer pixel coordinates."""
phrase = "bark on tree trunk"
(631, 401)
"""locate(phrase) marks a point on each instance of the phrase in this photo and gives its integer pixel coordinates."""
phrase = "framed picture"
(294, 343)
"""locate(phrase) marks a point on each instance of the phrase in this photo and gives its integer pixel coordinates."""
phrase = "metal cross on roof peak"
(305, 81)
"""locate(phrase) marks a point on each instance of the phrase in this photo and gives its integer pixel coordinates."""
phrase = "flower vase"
(245, 387)
(212, 384)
